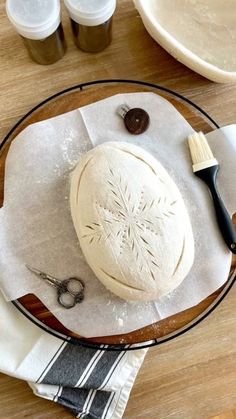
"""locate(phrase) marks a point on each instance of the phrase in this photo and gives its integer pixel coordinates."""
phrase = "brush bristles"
(199, 148)
(200, 151)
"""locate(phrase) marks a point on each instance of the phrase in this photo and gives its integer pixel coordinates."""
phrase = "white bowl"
(199, 33)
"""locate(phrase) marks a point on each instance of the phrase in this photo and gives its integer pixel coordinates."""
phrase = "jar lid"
(90, 12)
(34, 19)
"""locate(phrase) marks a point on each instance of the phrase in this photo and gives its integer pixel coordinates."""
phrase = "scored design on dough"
(128, 222)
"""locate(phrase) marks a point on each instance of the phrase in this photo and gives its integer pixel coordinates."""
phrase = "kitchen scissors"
(70, 291)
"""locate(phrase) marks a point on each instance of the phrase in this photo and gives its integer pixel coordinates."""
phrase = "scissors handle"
(70, 292)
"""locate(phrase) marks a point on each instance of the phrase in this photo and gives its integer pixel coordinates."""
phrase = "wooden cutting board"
(30, 304)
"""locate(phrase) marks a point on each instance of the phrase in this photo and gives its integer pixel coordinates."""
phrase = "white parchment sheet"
(36, 226)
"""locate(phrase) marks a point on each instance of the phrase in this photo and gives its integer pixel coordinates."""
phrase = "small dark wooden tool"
(136, 120)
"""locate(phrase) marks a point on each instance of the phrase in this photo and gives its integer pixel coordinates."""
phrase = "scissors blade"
(43, 275)
(35, 271)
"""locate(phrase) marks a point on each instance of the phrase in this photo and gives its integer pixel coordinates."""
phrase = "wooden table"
(194, 376)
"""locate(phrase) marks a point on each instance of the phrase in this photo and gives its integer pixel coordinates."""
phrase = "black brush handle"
(225, 223)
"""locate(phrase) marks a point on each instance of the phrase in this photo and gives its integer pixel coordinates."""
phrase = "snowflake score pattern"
(129, 222)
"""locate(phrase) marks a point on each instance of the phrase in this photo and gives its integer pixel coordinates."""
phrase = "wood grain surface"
(194, 376)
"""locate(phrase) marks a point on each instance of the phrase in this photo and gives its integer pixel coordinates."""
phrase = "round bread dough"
(205, 27)
(199, 33)
(131, 221)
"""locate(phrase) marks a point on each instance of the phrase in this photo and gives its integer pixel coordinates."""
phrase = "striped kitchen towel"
(91, 383)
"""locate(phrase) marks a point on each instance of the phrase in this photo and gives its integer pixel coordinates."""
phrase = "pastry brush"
(205, 166)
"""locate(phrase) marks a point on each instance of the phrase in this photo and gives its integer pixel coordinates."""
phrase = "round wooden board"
(65, 102)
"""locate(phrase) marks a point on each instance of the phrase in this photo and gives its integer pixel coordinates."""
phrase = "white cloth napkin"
(92, 383)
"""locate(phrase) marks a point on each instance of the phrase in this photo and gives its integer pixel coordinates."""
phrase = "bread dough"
(205, 27)
(131, 221)
(199, 33)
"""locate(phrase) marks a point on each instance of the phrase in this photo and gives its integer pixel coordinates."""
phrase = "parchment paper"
(36, 226)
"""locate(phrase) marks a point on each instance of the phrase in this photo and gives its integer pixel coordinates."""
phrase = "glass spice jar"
(38, 22)
(91, 23)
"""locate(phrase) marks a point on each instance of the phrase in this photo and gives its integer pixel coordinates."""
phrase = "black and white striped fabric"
(91, 383)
